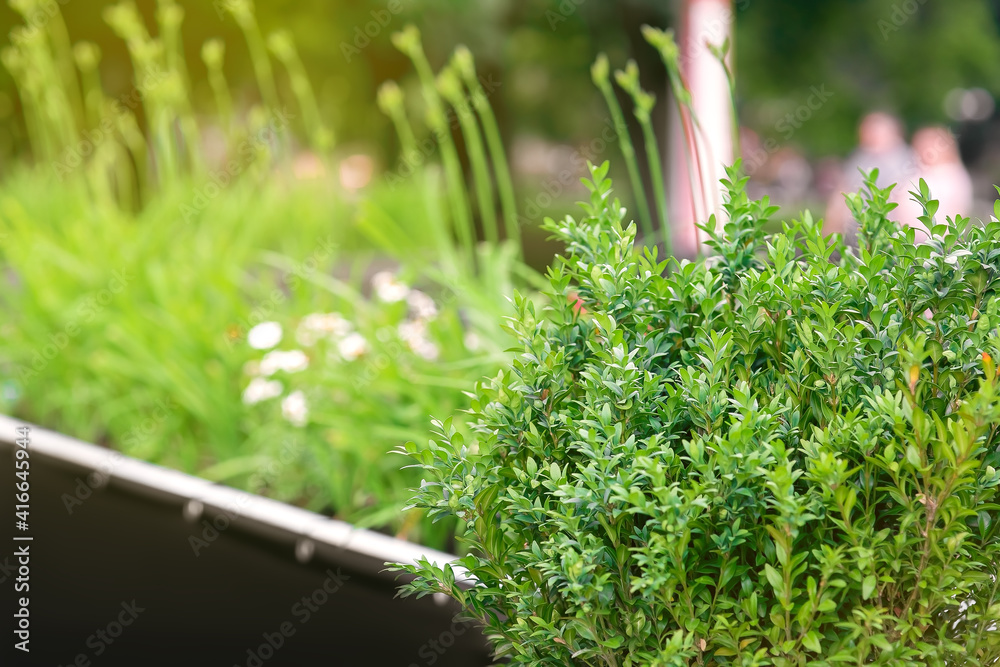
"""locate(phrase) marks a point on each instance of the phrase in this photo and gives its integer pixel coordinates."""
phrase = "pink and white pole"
(703, 23)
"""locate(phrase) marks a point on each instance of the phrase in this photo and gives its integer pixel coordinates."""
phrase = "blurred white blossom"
(388, 288)
(473, 343)
(411, 330)
(295, 409)
(414, 334)
(422, 305)
(264, 336)
(291, 361)
(320, 325)
(260, 389)
(426, 348)
(352, 346)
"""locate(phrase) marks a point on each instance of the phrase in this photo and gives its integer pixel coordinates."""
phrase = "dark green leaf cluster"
(785, 454)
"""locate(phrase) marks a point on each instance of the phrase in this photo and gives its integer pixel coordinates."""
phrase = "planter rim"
(307, 533)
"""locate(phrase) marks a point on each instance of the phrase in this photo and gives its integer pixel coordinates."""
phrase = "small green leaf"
(774, 578)
(811, 640)
(868, 586)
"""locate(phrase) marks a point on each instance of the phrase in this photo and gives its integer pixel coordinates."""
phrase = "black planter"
(132, 564)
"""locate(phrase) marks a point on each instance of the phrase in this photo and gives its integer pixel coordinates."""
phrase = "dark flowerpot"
(132, 564)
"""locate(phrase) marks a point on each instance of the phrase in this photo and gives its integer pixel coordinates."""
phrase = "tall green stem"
(390, 101)
(13, 62)
(664, 42)
(170, 16)
(450, 86)
(59, 37)
(283, 47)
(129, 128)
(88, 56)
(501, 170)
(213, 53)
(600, 74)
(46, 83)
(408, 41)
(643, 106)
(659, 186)
(243, 12)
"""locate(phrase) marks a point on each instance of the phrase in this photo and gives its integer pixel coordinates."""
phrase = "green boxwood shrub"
(784, 454)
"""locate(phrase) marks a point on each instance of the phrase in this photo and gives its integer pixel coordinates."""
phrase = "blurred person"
(940, 164)
(881, 145)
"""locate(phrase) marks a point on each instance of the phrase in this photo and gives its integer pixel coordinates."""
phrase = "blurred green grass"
(136, 260)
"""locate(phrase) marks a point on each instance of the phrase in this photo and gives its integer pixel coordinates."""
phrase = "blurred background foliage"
(900, 55)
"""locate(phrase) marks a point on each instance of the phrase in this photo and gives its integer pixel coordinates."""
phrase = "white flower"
(387, 288)
(295, 409)
(291, 361)
(264, 336)
(352, 346)
(317, 325)
(472, 342)
(260, 389)
(412, 330)
(414, 334)
(425, 348)
(421, 305)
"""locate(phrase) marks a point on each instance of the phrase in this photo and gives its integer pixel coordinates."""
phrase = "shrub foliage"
(783, 455)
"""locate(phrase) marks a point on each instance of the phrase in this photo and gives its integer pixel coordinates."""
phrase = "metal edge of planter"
(307, 534)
